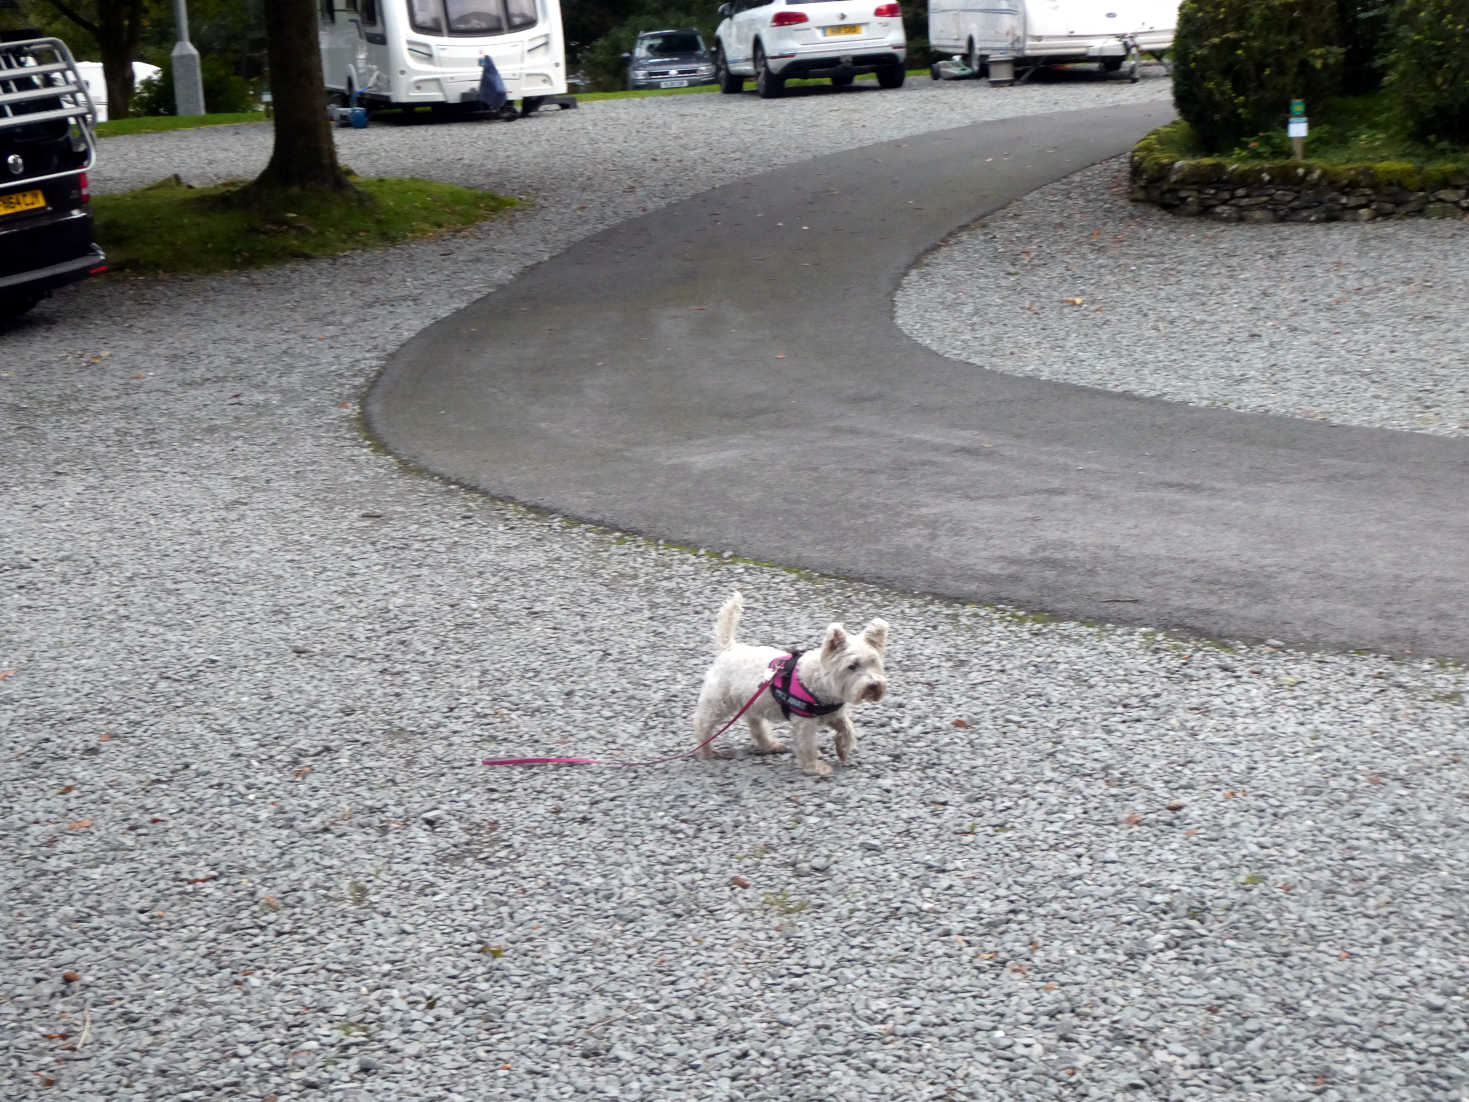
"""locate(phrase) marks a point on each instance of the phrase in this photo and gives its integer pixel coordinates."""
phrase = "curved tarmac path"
(725, 373)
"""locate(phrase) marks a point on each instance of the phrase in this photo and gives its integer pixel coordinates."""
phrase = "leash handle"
(658, 761)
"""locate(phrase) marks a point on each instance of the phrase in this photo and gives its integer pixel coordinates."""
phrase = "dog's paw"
(845, 744)
(709, 753)
(817, 769)
(772, 747)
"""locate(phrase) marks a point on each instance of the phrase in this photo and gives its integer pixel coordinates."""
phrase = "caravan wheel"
(975, 62)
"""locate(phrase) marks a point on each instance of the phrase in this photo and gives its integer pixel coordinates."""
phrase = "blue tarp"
(491, 86)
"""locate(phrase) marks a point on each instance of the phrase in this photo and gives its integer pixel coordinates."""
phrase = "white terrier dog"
(811, 689)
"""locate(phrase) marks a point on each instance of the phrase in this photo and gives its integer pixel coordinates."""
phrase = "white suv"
(774, 40)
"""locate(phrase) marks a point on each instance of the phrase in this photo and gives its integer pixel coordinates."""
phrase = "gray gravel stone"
(245, 654)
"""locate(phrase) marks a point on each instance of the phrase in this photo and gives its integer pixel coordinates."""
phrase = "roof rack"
(39, 83)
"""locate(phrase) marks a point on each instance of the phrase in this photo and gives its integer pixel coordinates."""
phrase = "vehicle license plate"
(673, 84)
(21, 200)
(846, 28)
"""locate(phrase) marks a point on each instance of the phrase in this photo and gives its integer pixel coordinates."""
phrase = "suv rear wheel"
(892, 76)
(767, 84)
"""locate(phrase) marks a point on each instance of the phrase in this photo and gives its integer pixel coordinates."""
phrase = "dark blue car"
(669, 59)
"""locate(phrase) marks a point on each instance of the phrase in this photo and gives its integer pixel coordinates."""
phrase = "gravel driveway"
(249, 664)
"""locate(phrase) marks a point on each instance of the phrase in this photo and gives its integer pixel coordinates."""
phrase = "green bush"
(1238, 63)
(1429, 69)
(224, 91)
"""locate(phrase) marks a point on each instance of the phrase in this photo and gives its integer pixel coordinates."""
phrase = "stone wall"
(1292, 192)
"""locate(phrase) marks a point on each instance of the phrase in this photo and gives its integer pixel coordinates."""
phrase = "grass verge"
(171, 227)
(156, 124)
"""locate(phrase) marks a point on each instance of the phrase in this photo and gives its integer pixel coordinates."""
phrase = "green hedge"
(1429, 69)
(1238, 64)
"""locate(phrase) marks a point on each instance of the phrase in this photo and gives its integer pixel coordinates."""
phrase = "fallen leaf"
(960, 723)
(106, 736)
(64, 789)
(1175, 806)
(1373, 778)
(1133, 818)
(738, 882)
(70, 977)
(1286, 887)
(80, 824)
(1073, 301)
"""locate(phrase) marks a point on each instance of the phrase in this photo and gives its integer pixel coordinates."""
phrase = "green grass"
(1348, 130)
(156, 124)
(799, 82)
(171, 227)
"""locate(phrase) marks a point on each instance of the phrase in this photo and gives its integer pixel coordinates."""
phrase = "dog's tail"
(729, 619)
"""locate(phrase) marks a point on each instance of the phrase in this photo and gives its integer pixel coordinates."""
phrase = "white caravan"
(401, 53)
(1051, 32)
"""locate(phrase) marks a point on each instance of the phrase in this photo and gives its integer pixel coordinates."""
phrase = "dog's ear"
(835, 640)
(876, 634)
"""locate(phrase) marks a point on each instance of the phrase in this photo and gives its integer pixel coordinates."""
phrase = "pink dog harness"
(793, 697)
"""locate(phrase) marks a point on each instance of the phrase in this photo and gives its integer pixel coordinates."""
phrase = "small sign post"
(1295, 128)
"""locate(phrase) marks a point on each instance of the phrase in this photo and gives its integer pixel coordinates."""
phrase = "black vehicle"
(669, 59)
(46, 147)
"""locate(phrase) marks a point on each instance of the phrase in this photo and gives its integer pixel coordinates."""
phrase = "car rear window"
(666, 45)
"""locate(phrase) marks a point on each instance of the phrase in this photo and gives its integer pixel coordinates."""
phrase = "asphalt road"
(725, 373)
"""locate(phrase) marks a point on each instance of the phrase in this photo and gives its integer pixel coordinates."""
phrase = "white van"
(402, 53)
(91, 73)
(1051, 32)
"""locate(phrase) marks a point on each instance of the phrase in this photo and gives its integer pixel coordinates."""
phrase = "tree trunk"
(117, 27)
(305, 157)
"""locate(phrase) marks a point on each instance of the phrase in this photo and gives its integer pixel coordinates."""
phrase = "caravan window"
(471, 18)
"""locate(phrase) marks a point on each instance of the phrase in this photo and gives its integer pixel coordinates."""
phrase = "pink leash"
(659, 761)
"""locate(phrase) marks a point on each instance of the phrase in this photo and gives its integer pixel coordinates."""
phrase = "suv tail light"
(888, 11)
(82, 185)
(788, 18)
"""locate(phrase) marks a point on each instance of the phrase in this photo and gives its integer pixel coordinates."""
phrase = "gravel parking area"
(249, 665)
